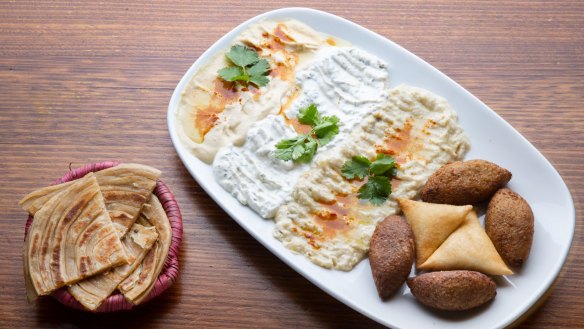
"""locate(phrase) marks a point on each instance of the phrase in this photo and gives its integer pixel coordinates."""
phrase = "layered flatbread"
(138, 285)
(35, 200)
(71, 238)
(125, 189)
(432, 224)
(92, 291)
(468, 248)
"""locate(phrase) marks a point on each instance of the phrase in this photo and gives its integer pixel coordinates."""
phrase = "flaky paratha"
(71, 238)
(138, 285)
(125, 189)
(92, 291)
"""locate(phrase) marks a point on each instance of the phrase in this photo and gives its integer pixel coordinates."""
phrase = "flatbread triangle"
(137, 286)
(71, 238)
(125, 189)
(92, 291)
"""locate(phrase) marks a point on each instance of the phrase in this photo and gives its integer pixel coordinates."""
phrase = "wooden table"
(88, 81)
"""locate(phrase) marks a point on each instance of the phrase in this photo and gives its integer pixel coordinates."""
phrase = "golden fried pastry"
(137, 286)
(467, 248)
(432, 224)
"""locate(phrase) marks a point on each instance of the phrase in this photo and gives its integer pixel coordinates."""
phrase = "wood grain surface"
(86, 81)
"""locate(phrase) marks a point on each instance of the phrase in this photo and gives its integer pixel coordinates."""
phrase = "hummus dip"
(213, 113)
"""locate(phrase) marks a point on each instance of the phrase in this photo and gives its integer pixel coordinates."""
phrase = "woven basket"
(169, 273)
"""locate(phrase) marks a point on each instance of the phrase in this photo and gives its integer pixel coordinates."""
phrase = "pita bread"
(432, 224)
(125, 189)
(71, 238)
(468, 248)
(137, 286)
(93, 291)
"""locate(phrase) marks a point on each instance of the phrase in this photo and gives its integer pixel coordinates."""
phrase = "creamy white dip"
(252, 174)
(346, 82)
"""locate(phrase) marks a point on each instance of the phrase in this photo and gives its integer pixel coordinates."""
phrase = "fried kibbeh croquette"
(509, 223)
(468, 182)
(453, 290)
(391, 254)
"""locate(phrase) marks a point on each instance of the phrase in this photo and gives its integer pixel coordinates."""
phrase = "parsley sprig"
(303, 147)
(379, 173)
(249, 68)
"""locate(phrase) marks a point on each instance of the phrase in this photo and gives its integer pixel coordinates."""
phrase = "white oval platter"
(492, 138)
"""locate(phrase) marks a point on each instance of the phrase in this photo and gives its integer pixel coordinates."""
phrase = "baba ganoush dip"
(325, 220)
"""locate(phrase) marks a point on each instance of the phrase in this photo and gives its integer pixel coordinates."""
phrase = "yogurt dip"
(346, 82)
(252, 174)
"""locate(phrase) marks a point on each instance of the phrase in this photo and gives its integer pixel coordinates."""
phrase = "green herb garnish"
(378, 173)
(357, 167)
(249, 68)
(303, 147)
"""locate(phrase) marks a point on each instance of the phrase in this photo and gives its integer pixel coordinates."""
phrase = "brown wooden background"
(85, 81)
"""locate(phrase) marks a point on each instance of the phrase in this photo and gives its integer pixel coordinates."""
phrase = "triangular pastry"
(468, 248)
(432, 224)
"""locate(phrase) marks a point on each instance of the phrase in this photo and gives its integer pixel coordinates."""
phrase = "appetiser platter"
(488, 136)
